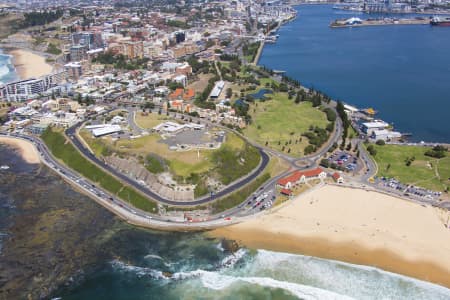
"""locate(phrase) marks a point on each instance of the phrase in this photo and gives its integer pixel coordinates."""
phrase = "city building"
(78, 52)
(74, 70)
(90, 40)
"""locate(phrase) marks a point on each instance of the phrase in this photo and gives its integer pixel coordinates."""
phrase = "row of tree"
(41, 18)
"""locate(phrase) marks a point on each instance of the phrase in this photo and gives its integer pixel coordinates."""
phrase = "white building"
(217, 90)
(370, 127)
(385, 135)
(23, 90)
(172, 127)
(105, 130)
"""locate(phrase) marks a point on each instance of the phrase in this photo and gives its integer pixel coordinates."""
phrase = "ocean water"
(401, 71)
(7, 70)
(134, 263)
(246, 274)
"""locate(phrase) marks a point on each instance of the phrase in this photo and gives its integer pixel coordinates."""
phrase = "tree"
(325, 163)
(149, 105)
(371, 149)
(438, 151)
(297, 98)
(229, 93)
(349, 147)
(380, 142)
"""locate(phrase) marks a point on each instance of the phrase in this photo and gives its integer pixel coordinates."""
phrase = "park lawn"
(277, 166)
(151, 120)
(62, 149)
(199, 85)
(443, 168)
(351, 132)
(181, 163)
(181, 168)
(280, 120)
(234, 141)
(421, 172)
(97, 145)
(263, 82)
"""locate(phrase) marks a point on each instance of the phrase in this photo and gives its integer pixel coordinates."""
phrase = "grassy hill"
(280, 121)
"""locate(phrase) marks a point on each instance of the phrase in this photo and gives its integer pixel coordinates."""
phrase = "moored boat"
(438, 21)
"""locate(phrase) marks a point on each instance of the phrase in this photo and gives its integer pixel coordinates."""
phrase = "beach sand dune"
(28, 64)
(27, 149)
(355, 226)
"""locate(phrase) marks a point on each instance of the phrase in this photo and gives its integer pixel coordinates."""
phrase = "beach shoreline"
(26, 149)
(354, 226)
(29, 64)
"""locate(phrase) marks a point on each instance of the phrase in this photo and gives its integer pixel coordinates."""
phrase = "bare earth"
(29, 64)
(27, 149)
(356, 226)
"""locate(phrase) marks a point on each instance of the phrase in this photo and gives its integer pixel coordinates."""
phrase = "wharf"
(380, 22)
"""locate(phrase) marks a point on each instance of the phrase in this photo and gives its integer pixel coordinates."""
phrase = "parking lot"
(408, 190)
(195, 138)
(260, 201)
(345, 160)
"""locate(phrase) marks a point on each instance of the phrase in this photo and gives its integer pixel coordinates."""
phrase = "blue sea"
(7, 70)
(401, 71)
(143, 264)
(197, 269)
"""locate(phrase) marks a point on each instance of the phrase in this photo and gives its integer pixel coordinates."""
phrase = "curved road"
(71, 133)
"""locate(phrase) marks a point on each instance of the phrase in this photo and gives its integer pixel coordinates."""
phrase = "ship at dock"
(439, 21)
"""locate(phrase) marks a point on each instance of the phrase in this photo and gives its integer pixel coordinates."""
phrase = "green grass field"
(424, 171)
(66, 152)
(183, 163)
(280, 120)
(151, 120)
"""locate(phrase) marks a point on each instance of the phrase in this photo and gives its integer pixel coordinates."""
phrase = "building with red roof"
(189, 94)
(337, 177)
(177, 94)
(286, 192)
(301, 177)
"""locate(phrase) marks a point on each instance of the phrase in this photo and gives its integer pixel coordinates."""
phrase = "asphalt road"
(71, 133)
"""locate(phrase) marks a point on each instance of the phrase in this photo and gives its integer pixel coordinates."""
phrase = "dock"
(356, 22)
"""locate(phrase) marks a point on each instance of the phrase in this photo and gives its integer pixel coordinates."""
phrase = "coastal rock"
(167, 274)
(230, 245)
(39, 257)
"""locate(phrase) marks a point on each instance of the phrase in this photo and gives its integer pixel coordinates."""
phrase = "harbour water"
(64, 242)
(401, 71)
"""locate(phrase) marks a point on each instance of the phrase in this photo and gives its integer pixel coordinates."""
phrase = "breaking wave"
(301, 276)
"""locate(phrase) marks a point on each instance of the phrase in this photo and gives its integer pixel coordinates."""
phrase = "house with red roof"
(337, 177)
(301, 177)
(286, 192)
(188, 95)
(177, 94)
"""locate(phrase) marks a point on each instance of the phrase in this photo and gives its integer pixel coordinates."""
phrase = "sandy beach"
(355, 226)
(28, 64)
(27, 149)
